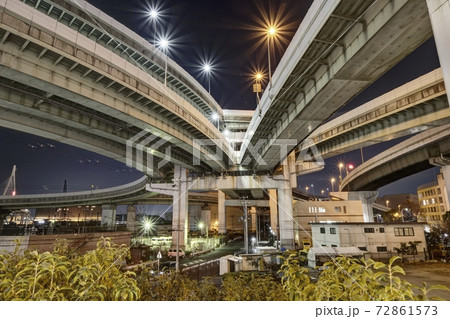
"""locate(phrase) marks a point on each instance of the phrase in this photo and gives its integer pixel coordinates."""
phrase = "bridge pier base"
(439, 11)
(108, 215)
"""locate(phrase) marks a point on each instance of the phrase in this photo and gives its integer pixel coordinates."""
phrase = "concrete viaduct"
(71, 73)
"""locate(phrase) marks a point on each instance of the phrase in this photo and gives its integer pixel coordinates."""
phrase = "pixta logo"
(146, 152)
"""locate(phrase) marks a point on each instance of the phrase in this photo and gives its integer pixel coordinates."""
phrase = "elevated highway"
(411, 108)
(404, 159)
(75, 75)
(340, 48)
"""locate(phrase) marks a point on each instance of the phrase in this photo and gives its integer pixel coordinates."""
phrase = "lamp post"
(207, 70)
(216, 118)
(332, 180)
(164, 45)
(312, 188)
(271, 32)
(341, 166)
(153, 14)
(257, 89)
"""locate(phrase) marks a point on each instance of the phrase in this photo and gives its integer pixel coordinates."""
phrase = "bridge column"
(205, 216)
(367, 199)
(180, 207)
(285, 208)
(108, 215)
(273, 206)
(131, 217)
(221, 212)
(439, 11)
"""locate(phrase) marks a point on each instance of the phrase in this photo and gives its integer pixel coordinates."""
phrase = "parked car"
(172, 253)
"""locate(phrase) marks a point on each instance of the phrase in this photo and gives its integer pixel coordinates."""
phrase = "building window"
(322, 230)
(403, 231)
(439, 190)
(381, 230)
(333, 245)
(381, 248)
(332, 230)
(440, 200)
(369, 230)
(345, 209)
(337, 209)
(322, 210)
(363, 248)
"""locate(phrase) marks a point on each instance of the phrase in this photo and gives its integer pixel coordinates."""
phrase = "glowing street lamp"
(207, 68)
(306, 189)
(332, 180)
(216, 118)
(348, 168)
(257, 89)
(153, 14)
(164, 45)
(341, 166)
(271, 32)
(226, 132)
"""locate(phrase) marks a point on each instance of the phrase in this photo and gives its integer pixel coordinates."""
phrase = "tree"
(347, 278)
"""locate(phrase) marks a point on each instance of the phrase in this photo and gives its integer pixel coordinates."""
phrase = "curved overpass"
(411, 108)
(404, 159)
(129, 192)
(95, 84)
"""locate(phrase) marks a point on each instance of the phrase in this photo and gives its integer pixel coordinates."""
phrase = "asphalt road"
(227, 249)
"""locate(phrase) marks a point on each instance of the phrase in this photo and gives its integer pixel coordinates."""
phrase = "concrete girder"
(404, 159)
(393, 30)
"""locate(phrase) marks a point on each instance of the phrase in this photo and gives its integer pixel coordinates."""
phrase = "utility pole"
(245, 208)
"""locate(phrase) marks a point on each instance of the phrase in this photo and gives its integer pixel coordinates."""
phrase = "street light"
(312, 187)
(207, 69)
(348, 168)
(271, 32)
(332, 180)
(257, 89)
(306, 188)
(164, 45)
(216, 118)
(341, 166)
(387, 203)
(153, 14)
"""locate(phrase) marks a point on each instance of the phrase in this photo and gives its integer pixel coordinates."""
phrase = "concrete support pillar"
(367, 199)
(252, 213)
(285, 209)
(446, 173)
(131, 217)
(108, 215)
(180, 207)
(221, 212)
(205, 216)
(439, 11)
(273, 205)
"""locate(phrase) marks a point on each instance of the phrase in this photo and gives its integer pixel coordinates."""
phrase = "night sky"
(227, 33)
